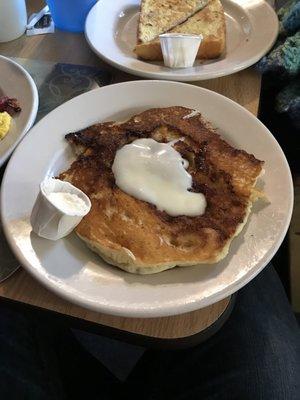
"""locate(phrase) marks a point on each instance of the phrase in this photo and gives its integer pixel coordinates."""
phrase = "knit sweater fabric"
(282, 63)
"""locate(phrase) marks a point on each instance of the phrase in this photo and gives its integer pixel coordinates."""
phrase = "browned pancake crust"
(222, 173)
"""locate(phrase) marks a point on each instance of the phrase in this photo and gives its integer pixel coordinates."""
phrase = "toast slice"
(159, 16)
(210, 22)
(133, 234)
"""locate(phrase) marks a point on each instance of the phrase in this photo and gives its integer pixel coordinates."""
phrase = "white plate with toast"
(16, 82)
(251, 30)
(71, 270)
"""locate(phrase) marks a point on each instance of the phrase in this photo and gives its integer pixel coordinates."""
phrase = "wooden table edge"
(132, 337)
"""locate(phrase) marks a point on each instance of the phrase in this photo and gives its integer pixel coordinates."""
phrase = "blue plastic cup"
(70, 15)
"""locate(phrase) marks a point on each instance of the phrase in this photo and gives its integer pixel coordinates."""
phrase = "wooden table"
(242, 87)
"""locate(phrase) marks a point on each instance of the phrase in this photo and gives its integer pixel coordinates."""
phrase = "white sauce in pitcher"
(68, 203)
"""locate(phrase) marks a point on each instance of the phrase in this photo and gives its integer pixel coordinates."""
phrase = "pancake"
(134, 235)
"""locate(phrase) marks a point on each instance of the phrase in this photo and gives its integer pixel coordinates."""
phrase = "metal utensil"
(8, 263)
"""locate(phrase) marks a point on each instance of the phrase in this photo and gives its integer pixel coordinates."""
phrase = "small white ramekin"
(49, 221)
(179, 49)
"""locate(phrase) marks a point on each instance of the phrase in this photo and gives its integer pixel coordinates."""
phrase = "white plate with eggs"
(16, 82)
(71, 270)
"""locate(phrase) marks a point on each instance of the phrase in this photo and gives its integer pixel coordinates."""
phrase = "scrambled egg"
(5, 120)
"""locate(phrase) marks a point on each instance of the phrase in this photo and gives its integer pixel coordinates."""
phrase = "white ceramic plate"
(252, 28)
(16, 82)
(71, 270)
